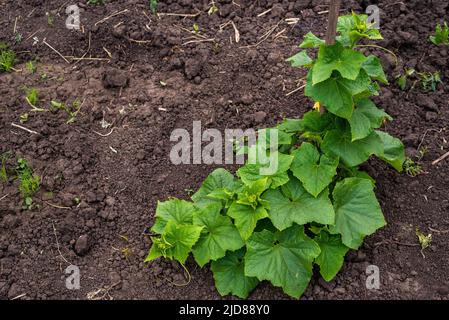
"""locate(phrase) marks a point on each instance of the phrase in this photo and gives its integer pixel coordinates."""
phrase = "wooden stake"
(334, 10)
(331, 34)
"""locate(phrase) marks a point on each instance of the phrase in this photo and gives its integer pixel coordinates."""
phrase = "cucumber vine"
(317, 206)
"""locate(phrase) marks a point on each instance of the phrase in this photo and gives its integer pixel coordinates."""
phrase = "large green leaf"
(339, 143)
(246, 217)
(374, 68)
(218, 235)
(290, 125)
(332, 254)
(316, 122)
(300, 59)
(311, 41)
(218, 179)
(314, 170)
(292, 203)
(230, 276)
(284, 258)
(336, 93)
(357, 211)
(393, 150)
(176, 242)
(176, 210)
(336, 58)
(279, 162)
(366, 118)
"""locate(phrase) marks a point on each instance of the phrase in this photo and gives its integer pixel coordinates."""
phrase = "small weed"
(3, 172)
(29, 182)
(24, 118)
(401, 80)
(441, 35)
(212, 9)
(7, 58)
(96, 2)
(32, 97)
(50, 19)
(196, 28)
(424, 240)
(72, 111)
(412, 168)
(429, 80)
(153, 6)
(76, 201)
(44, 76)
(31, 66)
(18, 38)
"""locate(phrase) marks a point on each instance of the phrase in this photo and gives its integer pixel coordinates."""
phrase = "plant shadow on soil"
(119, 176)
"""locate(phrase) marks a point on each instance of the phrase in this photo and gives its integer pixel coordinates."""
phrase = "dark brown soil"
(224, 84)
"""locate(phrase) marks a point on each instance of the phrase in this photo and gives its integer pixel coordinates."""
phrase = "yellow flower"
(317, 106)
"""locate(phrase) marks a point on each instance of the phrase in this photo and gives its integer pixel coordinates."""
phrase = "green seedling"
(212, 9)
(441, 36)
(3, 171)
(196, 28)
(7, 58)
(96, 2)
(50, 19)
(18, 38)
(76, 201)
(153, 6)
(32, 98)
(316, 204)
(430, 81)
(44, 76)
(402, 79)
(424, 240)
(31, 66)
(72, 111)
(412, 168)
(29, 182)
(24, 117)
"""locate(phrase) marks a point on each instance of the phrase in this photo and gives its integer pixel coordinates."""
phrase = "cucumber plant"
(318, 204)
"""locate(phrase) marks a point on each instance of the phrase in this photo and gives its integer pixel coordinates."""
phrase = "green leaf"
(393, 150)
(354, 27)
(316, 122)
(218, 179)
(292, 203)
(339, 143)
(373, 67)
(300, 59)
(357, 211)
(175, 210)
(332, 254)
(218, 235)
(246, 217)
(230, 277)
(314, 170)
(175, 243)
(291, 125)
(441, 35)
(336, 58)
(284, 258)
(311, 41)
(366, 118)
(336, 93)
(275, 171)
